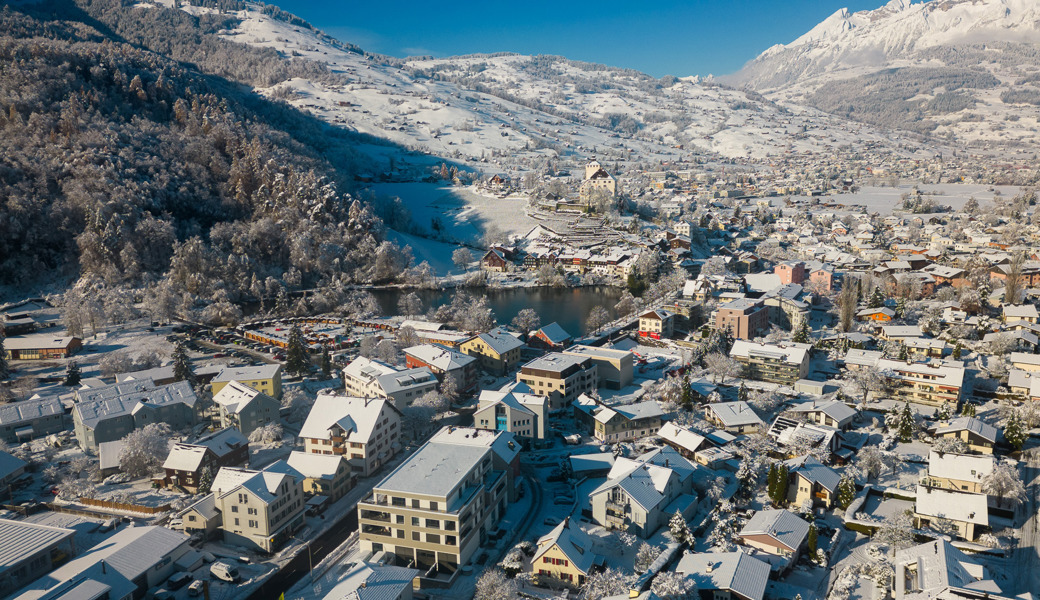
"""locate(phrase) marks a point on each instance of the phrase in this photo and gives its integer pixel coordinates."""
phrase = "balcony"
(370, 515)
(615, 521)
(616, 508)
(376, 530)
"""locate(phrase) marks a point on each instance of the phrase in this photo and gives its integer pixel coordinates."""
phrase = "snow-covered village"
(283, 318)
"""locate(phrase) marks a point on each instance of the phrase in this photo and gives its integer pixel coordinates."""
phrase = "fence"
(120, 506)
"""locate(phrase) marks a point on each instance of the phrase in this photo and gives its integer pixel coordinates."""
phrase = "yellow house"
(811, 480)
(262, 378)
(497, 351)
(978, 436)
(565, 556)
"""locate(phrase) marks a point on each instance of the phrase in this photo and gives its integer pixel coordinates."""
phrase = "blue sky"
(664, 37)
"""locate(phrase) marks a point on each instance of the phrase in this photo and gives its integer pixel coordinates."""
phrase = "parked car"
(195, 589)
(178, 580)
(163, 594)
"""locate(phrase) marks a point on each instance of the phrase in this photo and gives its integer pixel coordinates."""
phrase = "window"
(433, 523)
(251, 511)
(415, 503)
(415, 536)
(433, 538)
(252, 523)
(234, 508)
(415, 521)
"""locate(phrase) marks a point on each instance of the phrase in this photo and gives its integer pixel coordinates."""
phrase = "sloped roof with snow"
(572, 541)
(357, 417)
(783, 526)
(955, 506)
(972, 425)
(733, 414)
(683, 438)
(815, 471)
(734, 571)
(236, 396)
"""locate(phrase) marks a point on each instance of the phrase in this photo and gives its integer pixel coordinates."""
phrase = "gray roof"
(554, 333)
(371, 581)
(434, 470)
(500, 341)
(781, 525)
(109, 406)
(406, 380)
(440, 357)
(16, 413)
(735, 413)
(248, 373)
(815, 471)
(839, 411)
(972, 425)
(556, 362)
(20, 540)
(572, 541)
(734, 571)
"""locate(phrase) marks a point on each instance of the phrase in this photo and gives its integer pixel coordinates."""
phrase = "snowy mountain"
(966, 69)
(481, 106)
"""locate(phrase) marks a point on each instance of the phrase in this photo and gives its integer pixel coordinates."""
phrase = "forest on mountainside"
(126, 169)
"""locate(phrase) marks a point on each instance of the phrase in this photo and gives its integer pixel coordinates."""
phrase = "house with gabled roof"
(725, 575)
(619, 422)
(34, 418)
(686, 442)
(365, 431)
(640, 495)
(375, 581)
(968, 513)
(497, 350)
(565, 556)
(324, 475)
(550, 337)
(939, 570)
(514, 410)
(108, 413)
(779, 533)
(259, 509)
(245, 408)
(185, 464)
(444, 362)
(980, 436)
(811, 480)
(734, 417)
(263, 378)
(832, 413)
(958, 472)
(657, 324)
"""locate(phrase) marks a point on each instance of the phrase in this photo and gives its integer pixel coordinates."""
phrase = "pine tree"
(907, 424)
(903, 352)
(72, 375)
(1014, 433)
(205, 480)
(771, 487)
(957, 350)
(968, 409)
(811, 543)
(182, 370)
(783, 482)
(944, 412)
(743, 394)
(877, 299)
(802, 335)
(680, 528)
(326, 363)
(846, 491)
(5, 369)
(295, 353)
(687, 393)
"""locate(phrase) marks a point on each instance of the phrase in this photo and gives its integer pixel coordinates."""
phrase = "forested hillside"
(123, 166)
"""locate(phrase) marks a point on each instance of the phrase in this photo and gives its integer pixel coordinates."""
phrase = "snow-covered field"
(884, 199)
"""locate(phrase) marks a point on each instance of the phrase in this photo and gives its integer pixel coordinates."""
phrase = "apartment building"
(367, 378)
(933, 383)
(615, 368)
(515, 411)
(656, 324)
(364, 430)
(262, 378)
(245, 408)
(360, 377)
(775, 363)
(640, 495)
(108, 413)
(618, 423)
(24, 421)
(560, 377)
(745, 318)
(498, 351)
(434, 510)
(259, 509)
(444, 362)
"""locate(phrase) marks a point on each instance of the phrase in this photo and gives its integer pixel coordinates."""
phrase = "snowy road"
(1028, 551)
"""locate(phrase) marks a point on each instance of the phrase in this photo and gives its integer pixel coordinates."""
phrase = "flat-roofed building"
(615, 368)
(745, 318)
(776, 363)
(560, 377)
(434, 509)
(41, 347)
(29, 551)
(933, 383)
(512, 410)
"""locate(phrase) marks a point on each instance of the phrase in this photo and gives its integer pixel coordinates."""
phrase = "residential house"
(734, 417)
(958, 472)
(520, 413)
(899, 333)
(1020, 312)
(831, 413)
(41, 347)
(402, 387)
(618, 423)
(780, 534)
(565, 556)
(615, 368)
(551, 337)
(1025, 361)
(245, 408)
(24, 421)
(434, 509)
(725, 575)
(122, 567)
(259, 509)
(777, 363)
(266, 379)
(361, 377)
(640, 497)
(494, 260)
(686, 442)
(978, 435)
(811, 480)
(939, 570)
(186, 462)
(32, 550)
(933, 383)
(657, 324)
(967, 513)
(108, 413)
(497, 351)
(202, 517)
(324, 475)
(744, 318)
(879, 315)
(560, 377)
(444, 362)
(365, 431)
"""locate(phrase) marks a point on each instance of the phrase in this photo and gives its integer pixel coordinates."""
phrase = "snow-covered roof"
(15, 413)
(962, 467)
(972, 425)
(645, 484)
(188, 457)
(734, 414)
(815, 471)
(554, 333)
(263, 484)
(206, 506)
(684, 438)
(435, 469)
(938, 566)
(315, 466)
(371, 581)
(502, 443)
(393, 383)
(783, 526)
(20, 540)
(1021, 311)
(901, 331)
(248, 373)
(356, 417)
(572, 541)
(839, 411)
(954, 506)
(236, 396)
(500, 341)
(792, 353)
(734, 571)
(936, 373)
(42, 341)
(91, 412)
(440, 357)
(367, 369)
(863, 358)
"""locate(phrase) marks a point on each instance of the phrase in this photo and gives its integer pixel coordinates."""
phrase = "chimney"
(710, 567)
